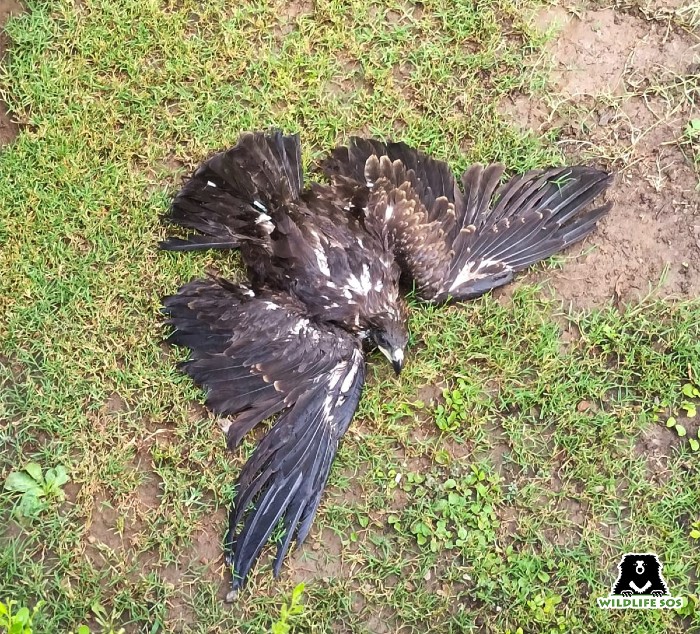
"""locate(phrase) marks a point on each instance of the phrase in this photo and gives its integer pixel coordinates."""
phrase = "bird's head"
(391, 338)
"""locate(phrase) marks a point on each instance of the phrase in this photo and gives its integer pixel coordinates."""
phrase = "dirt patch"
(622, 97)
(289, 13)
(113, 539)
(103, 528)
(431, 395)
(500, 457)
(574, 514)
(12, 371)
(509, 521)
(114, 404)
(119, 524)
(319, 558)
(8, 128)
(349, 81)
(294, 10)
(658, 443)
(604, 50)
(207, 543)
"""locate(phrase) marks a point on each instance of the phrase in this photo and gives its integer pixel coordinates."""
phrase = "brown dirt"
(103, 530)
(320, 558)
(431, 395)
(8, 128)
(112, 539)
(658, 443)
(615, 105)
(289, 13)
(114, 404)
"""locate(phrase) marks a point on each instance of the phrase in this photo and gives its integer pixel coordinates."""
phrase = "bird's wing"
(302, 241)
(257, 356)
(506, 228)
(460, 243)
(429, 178)
(229, 197)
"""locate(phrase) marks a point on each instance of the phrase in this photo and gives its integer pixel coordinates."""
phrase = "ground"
(536, 435)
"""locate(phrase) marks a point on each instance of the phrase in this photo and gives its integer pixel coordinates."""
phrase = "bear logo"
(640, 575)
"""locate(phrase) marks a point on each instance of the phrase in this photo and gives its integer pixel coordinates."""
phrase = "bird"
(328, 266)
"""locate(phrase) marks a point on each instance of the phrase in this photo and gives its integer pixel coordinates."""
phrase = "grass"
(556, 467)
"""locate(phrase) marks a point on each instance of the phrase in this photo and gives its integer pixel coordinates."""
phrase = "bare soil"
(618, 94)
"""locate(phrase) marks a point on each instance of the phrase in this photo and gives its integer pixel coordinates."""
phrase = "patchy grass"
(514, 517)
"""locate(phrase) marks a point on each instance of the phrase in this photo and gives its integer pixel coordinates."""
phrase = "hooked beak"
(396, 358)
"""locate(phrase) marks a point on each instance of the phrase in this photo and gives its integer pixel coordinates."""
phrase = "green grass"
(552, 468)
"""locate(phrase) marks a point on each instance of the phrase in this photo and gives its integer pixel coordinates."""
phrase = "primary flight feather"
(325, 267)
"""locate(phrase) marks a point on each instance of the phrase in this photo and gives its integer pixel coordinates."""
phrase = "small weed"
(691, 139)
(695, 531)
(543, 606)
(84, 629)
(690, 410)
(295, 608)
(692, 132)
(453, 414)
(691, 606)
(36, 487)
(457, 514)
(19, 622)
(105, 620)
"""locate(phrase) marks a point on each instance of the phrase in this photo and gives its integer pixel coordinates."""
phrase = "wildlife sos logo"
(640, 585)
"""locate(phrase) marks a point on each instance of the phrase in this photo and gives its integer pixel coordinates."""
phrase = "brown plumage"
(324, 265)
(459, 243)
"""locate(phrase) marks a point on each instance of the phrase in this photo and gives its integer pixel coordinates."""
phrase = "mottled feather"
(460, 244)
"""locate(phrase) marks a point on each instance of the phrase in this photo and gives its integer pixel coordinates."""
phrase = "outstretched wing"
(460, 244)
(257, 356)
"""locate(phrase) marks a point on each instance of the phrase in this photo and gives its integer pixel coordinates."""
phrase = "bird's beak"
(397, 360)
(395, 356)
